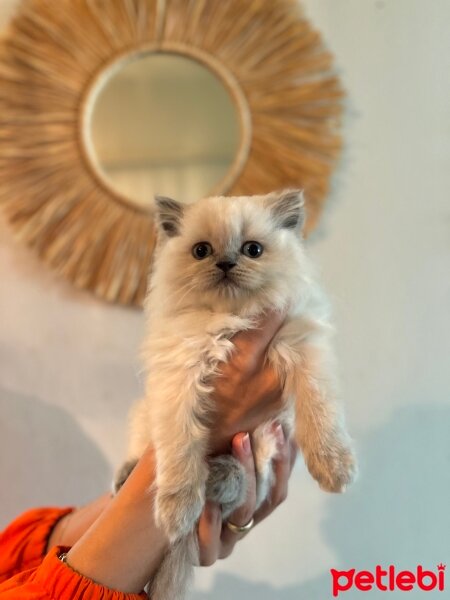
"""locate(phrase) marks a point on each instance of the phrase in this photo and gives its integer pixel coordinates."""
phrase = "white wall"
(68, 370)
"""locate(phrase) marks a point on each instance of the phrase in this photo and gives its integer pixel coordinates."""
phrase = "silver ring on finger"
(240, 528)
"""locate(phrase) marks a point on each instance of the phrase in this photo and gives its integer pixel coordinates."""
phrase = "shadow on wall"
(46, 459)
(397, 513)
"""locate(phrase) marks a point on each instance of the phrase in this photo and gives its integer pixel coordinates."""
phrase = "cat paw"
(123, 474)
(177, 512)
(334, 467)
(226, 483)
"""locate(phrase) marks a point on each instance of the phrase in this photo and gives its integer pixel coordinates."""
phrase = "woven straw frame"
(271, 60)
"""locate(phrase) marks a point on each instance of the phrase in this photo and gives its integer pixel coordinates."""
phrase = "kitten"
(220, 263)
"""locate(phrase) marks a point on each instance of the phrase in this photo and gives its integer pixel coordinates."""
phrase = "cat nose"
(225, 266)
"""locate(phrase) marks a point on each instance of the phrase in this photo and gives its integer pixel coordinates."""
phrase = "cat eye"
(202, 250)
(252, 249)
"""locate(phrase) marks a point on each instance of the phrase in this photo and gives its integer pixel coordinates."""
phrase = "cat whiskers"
(189, 287)
(245, 279)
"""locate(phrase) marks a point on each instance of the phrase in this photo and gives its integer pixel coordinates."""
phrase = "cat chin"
(226, 284)
(226, 288)
(234, 286)
(232, 290)
(239, 301)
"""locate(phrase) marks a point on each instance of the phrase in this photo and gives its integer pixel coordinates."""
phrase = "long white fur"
(191, 316)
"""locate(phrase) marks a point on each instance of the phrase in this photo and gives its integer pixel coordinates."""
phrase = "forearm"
(123, 548)
(69, 529)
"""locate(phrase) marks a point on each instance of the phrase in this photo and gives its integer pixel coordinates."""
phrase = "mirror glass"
(162, 123)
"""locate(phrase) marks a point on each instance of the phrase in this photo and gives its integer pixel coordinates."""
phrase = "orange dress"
(28, 573)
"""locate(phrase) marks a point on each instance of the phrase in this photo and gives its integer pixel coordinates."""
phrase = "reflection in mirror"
(162, 124)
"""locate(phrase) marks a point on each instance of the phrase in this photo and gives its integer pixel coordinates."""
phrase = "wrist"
(69, 529)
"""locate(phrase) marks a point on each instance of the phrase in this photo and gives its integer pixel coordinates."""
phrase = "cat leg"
(226, 483)
(173, 577)
(320, 429)
(180, 488)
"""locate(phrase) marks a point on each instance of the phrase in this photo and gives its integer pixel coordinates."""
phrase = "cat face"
(236, 248)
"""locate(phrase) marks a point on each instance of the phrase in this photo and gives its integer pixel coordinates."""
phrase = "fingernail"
(245, 444)
(279, 436)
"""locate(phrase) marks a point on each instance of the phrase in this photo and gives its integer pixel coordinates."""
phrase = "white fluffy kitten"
(220, 263)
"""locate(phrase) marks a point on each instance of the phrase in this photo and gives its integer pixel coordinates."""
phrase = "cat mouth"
(227, 281)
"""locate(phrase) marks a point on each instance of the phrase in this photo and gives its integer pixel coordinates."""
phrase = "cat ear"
(288, 209)
(169, 214)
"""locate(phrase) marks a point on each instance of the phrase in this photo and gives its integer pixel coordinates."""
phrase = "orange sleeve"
(28, 574)
(23, 543)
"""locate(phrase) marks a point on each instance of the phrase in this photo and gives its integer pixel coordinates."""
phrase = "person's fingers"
(251, 344)
(282, 466)
(208, 533)
(242, 450)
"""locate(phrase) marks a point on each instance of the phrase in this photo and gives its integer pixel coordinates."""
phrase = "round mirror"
(161, 123)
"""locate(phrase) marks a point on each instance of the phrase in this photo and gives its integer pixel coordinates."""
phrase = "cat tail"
(174, 576)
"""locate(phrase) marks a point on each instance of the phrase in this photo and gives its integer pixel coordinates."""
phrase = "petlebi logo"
(388, 580)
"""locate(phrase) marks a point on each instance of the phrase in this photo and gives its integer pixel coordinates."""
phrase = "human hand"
(247, 391)
(109, 533)
(216, 540)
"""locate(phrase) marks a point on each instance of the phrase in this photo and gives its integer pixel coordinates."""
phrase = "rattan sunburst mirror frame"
(269, 57)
